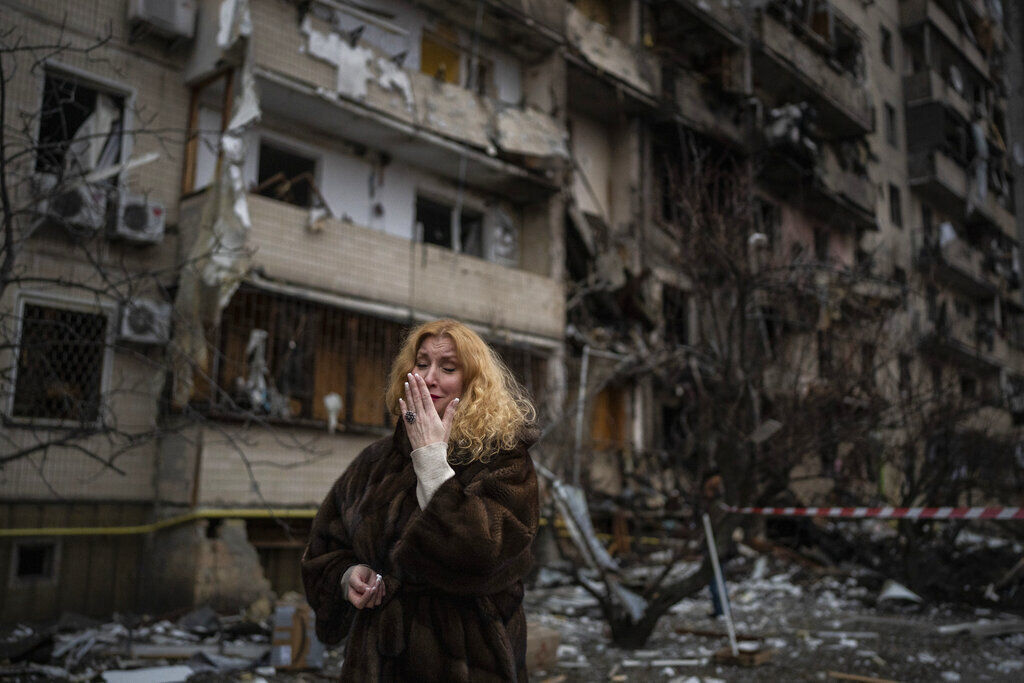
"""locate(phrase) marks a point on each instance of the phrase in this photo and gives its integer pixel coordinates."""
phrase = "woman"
(419, 550)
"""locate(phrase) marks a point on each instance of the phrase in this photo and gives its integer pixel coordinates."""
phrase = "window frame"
(891, 122)
(885, 40)
(285, 144)
(96, 82)
(895, 206)
(15, 582)
(469, 205)
(71, 303)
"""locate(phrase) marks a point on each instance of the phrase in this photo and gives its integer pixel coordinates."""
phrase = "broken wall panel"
(360, 262)
(62, 585)
(611, 54)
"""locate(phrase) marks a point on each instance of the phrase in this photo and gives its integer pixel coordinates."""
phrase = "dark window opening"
(60, 364)
(435, 226)
(937, 379)
(891, 128)
(886, 44)
(767, 217)
(34, 561)
(286, 176)
(435, 221)
(73, 119)
(675, 313)
(968, 386)
(895, 206)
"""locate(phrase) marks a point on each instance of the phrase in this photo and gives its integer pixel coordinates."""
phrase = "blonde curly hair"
(493, 409)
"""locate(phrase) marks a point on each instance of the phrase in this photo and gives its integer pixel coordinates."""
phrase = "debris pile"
(199, 645)
(795, 619)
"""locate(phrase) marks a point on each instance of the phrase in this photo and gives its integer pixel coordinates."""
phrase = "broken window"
(60, 364)
(439, 54)
(675, 311)
(286, 176)
(886, 45)
(891, 128)
(895, 206)
(80, 127)
(34, 561)
(435, 225)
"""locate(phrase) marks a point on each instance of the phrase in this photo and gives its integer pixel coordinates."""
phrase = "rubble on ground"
(806, 620)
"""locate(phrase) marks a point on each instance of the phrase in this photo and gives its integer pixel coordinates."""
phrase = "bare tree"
(70, 231)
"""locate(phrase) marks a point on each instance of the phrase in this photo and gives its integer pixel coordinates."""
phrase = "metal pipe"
(581, 397)
(720, 584)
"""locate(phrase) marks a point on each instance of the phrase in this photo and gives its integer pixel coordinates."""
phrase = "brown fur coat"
(453, 571)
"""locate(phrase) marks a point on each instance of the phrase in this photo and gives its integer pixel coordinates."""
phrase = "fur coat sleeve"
(474, 536)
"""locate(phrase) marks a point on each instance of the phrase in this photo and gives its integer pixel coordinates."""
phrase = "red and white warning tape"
(888, 512)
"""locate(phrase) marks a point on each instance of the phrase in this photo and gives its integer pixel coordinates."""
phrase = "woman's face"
(438, 364)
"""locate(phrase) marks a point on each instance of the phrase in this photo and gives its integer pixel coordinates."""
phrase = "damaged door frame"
(192, 132)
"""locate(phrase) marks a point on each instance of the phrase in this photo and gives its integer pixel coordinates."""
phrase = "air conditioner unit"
(145, 321)
(171, 18)
(137, 219)
(77, 204)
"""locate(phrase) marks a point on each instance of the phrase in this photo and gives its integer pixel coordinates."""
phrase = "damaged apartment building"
(284, 187)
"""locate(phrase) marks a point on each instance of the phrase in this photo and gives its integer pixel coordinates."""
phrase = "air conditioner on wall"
(82, 205)
(137, 219)
(145, 321)
(171, 18)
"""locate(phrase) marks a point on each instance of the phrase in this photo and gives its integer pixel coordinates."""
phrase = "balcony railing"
(947, 184)
(959, 264)
(631, 65)
(915, 13)
(349, 260)
(929, 86)
(842, 99)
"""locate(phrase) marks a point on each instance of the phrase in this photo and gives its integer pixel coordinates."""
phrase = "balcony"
(916, 14)
(603, 68)
(695, 104)
(929, 86)
(529, 28)
(823, 186)
(842, 100)
(965, 342)
(366, 265)
(310, 76)
(945, 182)
(959, 265)
(681, 19)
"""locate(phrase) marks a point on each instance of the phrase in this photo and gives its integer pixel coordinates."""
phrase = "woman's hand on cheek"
(427, 427)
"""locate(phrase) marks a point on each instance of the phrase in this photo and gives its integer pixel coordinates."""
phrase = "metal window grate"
(60, 364)
(313, 349)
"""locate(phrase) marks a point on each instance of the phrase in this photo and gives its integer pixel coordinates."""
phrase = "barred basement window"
(60, 364)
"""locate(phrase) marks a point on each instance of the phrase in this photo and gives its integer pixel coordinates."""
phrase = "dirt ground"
(815, 627)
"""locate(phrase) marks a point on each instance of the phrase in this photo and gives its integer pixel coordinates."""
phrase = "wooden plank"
(854, 677)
